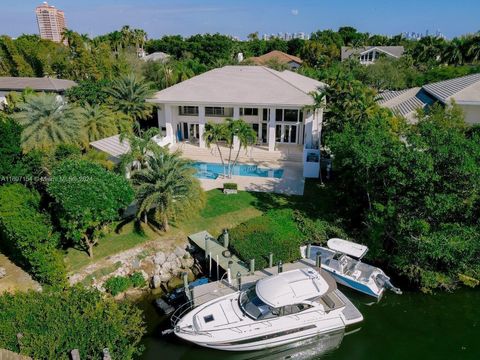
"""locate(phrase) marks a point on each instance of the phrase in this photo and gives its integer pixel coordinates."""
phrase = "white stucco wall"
(472, 113)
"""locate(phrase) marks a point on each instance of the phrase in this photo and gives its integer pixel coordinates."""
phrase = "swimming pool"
(213, 171)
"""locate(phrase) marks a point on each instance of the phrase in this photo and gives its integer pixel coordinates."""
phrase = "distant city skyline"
(187, 17)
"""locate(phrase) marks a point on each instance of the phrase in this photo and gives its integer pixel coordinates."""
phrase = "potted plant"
(230, 188)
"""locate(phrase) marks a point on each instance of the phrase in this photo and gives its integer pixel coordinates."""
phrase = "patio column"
(236, 115)
(169, 124)
(271, 130)
(308, 129)
(201, 126)
(236, 112)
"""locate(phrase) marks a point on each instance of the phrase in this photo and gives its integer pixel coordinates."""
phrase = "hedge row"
(26, 235)
(281, 232)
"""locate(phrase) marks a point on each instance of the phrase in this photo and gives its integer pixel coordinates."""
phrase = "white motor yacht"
(276, 310)
(342, 260)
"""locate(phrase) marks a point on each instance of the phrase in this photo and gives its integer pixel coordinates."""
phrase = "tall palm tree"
(98, 122)
(47, 121)
(227, 132)
(474, 48)
(455, 52)
(68, 36)
(166, 186)
(129, 94)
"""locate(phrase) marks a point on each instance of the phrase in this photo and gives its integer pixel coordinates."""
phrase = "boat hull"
(355, 285)
(274, 339)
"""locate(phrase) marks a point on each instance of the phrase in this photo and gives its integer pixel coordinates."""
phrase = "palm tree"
(47, 121)
(129, 94)
(98, 122)
(455, 53)
(166, 186)
(474, 48)
(140, 148)
(228, 131)
(68, 36)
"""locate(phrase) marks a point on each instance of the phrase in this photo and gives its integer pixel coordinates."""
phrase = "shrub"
(26, 234)
(317, 231)
(275, 231)
(230, 186)
(138, 280)
(55, 322)
(117, 284)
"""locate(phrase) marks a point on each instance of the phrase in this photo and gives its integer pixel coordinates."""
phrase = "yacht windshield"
(254, 307)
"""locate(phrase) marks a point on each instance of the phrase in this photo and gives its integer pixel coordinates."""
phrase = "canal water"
(409, 326)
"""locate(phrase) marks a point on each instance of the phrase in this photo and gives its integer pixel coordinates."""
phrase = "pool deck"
(289, 158)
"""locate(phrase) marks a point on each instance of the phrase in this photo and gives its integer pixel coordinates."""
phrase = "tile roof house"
(292, 61)
(464, 91)
(271, 101)
(369, 54)
(8, 84)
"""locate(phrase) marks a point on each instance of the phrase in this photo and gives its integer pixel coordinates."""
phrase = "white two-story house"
(272, 102)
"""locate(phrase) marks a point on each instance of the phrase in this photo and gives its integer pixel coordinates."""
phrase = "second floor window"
(188, 110)
(248, 112)
(218, 111)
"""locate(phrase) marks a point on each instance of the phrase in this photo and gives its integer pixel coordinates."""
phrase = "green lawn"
(221, 211)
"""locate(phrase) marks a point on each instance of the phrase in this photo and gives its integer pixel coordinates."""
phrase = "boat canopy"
(291, 287)
(347, 247)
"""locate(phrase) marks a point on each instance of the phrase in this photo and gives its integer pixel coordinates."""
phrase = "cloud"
(295, 12)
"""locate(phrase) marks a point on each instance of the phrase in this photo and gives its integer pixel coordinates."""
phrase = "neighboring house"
(293, 62)
(271, 101)
(464, 91)
(156, 56)
(369, 54)
(45, 84)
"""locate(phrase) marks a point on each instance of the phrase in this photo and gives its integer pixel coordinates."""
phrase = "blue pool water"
(213, 171)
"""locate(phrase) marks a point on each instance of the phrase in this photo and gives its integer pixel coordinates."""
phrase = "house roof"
(465, 89)
(242, 85)
(405, 102)
(37, 84)
(156, 56)
(277, 55)
(394, 51)
(112, 146)
(291, 287)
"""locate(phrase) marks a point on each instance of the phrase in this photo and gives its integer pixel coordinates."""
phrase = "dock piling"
(218, 274)
(226, 239)
(280, 266)
(270, 260)
(318, 259)
(309, 250)
(206, 250)
(185, 285)
(209, 264)
(252, 266)
(239, 281)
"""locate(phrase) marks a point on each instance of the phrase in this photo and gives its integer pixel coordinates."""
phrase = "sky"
(241, 17)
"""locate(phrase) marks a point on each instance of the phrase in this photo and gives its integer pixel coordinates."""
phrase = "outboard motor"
(384, 281)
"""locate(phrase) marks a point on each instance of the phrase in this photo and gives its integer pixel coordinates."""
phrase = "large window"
(290, 115)
(188, 110)
(248, 112)
(218, 111)
(279, 115)
(266, 114)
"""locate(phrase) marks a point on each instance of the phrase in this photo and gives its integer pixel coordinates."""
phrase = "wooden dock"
(206, 242)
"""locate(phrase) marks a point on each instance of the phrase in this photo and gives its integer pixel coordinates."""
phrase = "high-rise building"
(51, 22)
